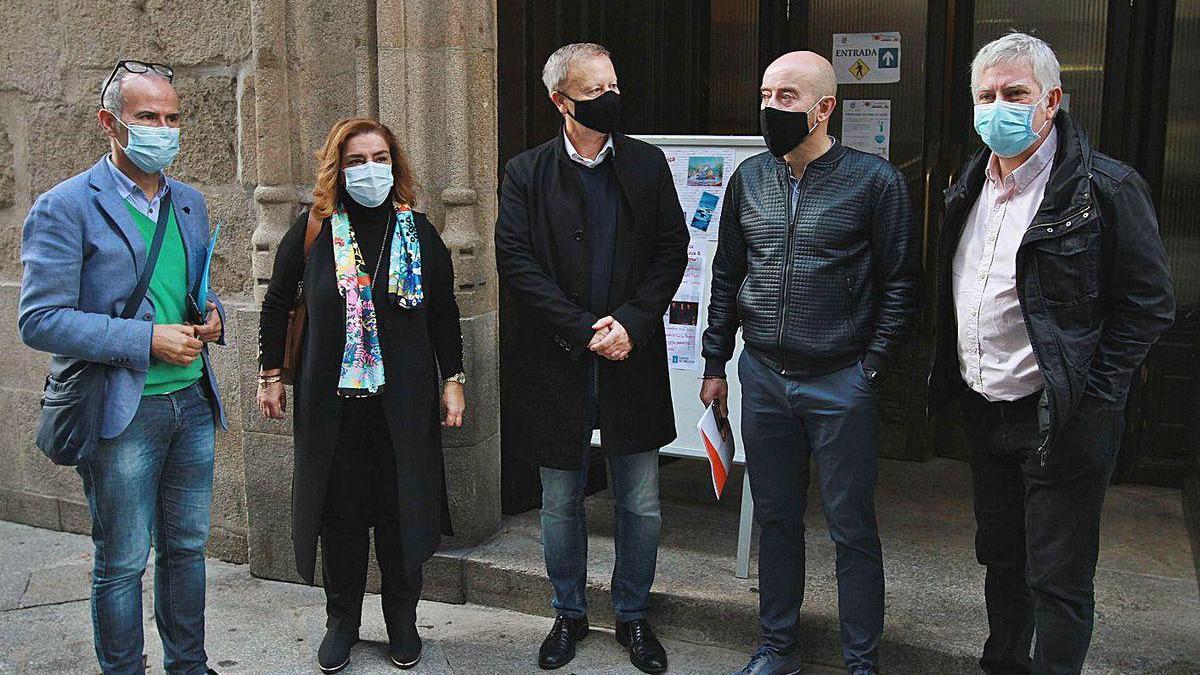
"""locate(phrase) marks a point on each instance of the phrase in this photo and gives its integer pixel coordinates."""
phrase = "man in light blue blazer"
(84, 246)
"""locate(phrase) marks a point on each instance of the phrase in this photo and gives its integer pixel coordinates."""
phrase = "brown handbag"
(299, 313)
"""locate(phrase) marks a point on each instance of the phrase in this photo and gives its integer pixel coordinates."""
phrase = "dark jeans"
(638, 526)
(1038, 530)
(362, 492)
(832, 420)
(153, 482)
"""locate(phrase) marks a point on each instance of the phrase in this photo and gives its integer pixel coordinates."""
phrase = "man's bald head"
(807, 74)
(803, 88)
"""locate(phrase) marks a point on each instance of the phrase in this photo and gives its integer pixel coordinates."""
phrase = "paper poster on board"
(866, 58)
(682, 320)
(701, 176)
(867, 126)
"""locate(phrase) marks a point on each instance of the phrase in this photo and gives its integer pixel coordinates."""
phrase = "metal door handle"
(928, 206)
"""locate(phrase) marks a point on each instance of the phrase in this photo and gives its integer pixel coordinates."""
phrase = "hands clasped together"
(611, 340)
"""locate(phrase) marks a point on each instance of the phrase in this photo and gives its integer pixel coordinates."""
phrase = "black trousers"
(1038, 530)
(362, 492)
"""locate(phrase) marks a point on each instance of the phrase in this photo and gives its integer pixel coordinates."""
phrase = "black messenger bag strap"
(143, 284)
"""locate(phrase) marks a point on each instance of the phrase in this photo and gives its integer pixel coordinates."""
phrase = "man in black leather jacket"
(1052, 286)
(817, 263)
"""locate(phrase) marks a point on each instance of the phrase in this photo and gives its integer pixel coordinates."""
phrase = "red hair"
(329, 164)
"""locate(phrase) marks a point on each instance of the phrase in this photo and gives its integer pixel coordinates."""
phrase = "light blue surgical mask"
(1006, 127)
(369, 184)
(152, 149)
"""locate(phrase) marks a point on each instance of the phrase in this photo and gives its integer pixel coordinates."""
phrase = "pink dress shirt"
(994, 352)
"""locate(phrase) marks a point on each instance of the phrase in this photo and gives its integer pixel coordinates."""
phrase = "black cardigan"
(370, 225)
(416, 344)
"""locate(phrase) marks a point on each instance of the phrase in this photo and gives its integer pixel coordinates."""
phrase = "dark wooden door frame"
(782, 28)
(1137, 76)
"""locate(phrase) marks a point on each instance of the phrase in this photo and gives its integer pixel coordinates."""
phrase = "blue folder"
(202, 290)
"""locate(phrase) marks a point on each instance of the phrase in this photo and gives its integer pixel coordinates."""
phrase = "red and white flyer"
(717, 437)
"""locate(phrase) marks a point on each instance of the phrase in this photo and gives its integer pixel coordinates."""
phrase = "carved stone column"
(437, 78)
(275, 194)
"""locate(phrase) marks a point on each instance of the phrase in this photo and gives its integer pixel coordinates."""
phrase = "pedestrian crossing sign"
(859, 69)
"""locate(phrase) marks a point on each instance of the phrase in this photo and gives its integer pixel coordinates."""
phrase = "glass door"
(832, 28)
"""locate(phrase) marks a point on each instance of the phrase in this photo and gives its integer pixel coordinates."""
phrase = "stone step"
(1148, 613)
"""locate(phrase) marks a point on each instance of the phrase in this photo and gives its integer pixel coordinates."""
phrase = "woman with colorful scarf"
(380, 366)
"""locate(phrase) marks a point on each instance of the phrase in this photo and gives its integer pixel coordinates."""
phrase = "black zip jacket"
(1092, 280)
(824, 286)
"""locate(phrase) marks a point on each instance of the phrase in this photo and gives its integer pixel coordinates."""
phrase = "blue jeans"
(832, 420)
(638, 524)
(153, 482)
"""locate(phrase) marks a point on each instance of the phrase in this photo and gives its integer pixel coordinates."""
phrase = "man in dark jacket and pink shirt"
(1052, 286)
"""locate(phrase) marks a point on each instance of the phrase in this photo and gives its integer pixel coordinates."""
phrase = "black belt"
(1022, 409)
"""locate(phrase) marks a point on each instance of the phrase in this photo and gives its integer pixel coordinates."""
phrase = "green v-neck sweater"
(168, 293)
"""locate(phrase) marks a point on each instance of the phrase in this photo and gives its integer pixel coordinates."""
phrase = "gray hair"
(1019, 47)
(112, 100)
(554, 73)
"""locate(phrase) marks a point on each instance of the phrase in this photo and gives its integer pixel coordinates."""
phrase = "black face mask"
(783, 130)
(601, 114)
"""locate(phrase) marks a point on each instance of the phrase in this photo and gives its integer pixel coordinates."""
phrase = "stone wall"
(59, 53)
(260, 83)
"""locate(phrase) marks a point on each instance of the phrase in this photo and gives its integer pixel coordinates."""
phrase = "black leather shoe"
(405, 648)
(767, 661)
(646, 653)
(334, 653)
(559, 646)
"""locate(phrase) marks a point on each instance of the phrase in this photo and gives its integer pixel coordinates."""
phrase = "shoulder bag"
(299, 314)
(72, 405)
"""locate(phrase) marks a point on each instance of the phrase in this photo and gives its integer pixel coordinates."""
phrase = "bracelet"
(270, 379)
(713, 377)
(459, 377)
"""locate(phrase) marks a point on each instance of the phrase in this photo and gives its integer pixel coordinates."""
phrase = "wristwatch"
(459, 377)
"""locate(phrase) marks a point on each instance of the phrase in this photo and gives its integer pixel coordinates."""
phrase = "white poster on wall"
(682, 320)
(701, 175)
(866, 58)
(867, 126)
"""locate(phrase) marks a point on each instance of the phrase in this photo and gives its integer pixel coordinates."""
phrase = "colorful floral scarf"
(362, 371)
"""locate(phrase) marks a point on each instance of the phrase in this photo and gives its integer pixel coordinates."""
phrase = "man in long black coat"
(591, 245)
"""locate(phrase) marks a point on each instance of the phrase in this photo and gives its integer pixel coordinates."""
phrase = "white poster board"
(699, 153)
